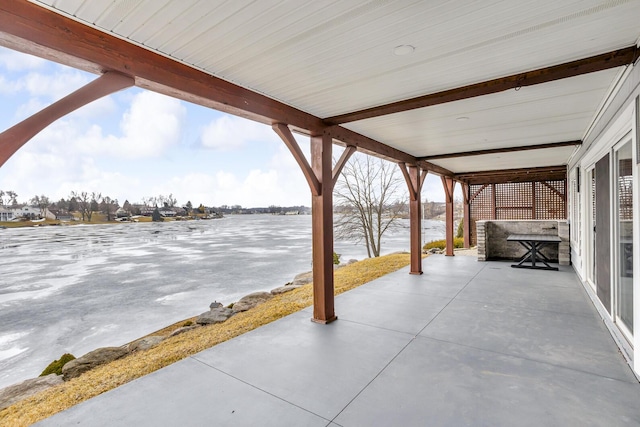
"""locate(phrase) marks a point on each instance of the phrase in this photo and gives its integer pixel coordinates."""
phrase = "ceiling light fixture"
(403, 49)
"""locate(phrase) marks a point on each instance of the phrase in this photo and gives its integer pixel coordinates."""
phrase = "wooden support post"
(494, 205)
(321, 178)
(15, 137)
(534, 208)
(322, 230)
(414, 179)
(466, 215)
(448, 184)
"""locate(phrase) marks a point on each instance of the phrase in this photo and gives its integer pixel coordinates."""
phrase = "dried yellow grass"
(135, 365)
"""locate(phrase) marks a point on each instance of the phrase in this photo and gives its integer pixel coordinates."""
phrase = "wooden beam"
(32, 29)
(501, 150)
(435, 169)
(373, 147)
(337, 168)
(369, 145)
(287, 137)
(605, 61)
(15, 137)
(545, 173)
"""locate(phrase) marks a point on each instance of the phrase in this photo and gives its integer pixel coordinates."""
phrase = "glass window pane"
(624, 208)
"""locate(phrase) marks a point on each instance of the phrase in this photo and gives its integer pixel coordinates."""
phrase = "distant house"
(27, 212)
(167, 212)
(31, 212)
(121, 213)
(6, 214)
(62, 214)
(146, 210)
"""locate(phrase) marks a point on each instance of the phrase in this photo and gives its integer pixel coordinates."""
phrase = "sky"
(136, 144)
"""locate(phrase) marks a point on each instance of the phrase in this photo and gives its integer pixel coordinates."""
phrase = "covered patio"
(477, 93)
(469, 343)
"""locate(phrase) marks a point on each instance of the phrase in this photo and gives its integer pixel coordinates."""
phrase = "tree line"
(87, 203)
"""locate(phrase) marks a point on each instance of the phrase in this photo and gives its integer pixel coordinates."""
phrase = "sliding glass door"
(623, 223)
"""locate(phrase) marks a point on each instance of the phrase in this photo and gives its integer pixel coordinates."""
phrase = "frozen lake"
(74, 289)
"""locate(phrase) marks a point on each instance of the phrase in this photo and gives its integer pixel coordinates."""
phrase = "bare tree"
(369, 200)
(8, 198)
(169, 201)
(41, 202)
(108, 207)
(86, 203)
(83, 202)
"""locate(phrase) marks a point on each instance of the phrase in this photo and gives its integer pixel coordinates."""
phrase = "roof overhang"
(486, 86)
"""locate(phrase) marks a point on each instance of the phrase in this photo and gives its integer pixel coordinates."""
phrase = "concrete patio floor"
(466, 343)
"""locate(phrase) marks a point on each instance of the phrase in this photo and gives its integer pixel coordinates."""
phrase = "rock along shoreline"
(217, 313)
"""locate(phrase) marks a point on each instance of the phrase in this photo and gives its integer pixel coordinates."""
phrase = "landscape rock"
(215, 304)
(249, 301)
(92, 359)
(283, 289)
(182, 330)
(17, 392)
(351, 261)
(303, 279)
(145, 343)
(215, 315)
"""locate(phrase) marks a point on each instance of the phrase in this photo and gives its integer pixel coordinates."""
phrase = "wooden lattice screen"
(517, 200)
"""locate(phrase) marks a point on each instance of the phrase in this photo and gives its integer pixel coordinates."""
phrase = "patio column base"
(324, 322)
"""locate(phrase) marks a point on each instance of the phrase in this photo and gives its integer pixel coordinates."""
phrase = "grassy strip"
(114, 374)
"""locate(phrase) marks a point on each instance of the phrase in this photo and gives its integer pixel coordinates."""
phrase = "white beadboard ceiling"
(329, 57)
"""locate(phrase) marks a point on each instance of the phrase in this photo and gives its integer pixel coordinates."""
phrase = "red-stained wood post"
(16, 136)
(414, 179)
(449, 184)
(466, 215)
(322, 230)
(321, 178)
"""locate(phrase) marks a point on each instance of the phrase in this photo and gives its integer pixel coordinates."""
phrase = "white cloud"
(8, 86)
(54, 86)
(17, 61)
(227, 133)
(41, 90)
(255, 188)
(432, 189)
(29, 108)
(152, 124)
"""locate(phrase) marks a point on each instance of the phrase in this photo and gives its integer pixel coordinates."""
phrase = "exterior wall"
(492, 239)
(618, 121)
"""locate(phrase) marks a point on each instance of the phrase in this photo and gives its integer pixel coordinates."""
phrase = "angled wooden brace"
(15, 137)
(414, 178)
(321, 178)
(346, 154)
(285, 134)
